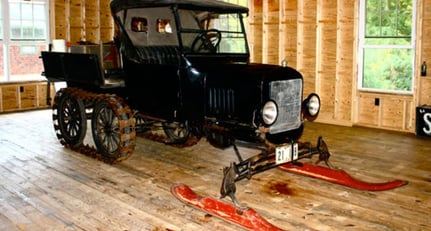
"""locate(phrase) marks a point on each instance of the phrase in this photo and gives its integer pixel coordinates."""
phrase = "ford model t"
(182, 65)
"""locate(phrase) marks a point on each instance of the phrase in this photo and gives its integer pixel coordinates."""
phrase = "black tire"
(69, 119)
(110, 134)
(177, 132)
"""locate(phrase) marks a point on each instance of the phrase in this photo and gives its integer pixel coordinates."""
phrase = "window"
(24, 34)
(163, 26)
(139, 24)
(238, 2)
(386, 45)
(27, 20)
(1, 22)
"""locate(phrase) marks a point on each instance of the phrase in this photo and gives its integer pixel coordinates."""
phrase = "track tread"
(121, 110)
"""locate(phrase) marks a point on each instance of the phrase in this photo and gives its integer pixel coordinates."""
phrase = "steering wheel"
(207, 41)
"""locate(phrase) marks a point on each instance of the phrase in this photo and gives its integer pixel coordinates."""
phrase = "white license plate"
(285, 154)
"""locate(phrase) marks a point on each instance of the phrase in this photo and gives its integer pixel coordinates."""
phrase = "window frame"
(362, 47)
(6, 42)
(22, 20)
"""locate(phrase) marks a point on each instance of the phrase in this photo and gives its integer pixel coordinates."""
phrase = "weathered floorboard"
(47, 187)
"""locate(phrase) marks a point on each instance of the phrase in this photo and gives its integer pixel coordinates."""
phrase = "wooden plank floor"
(47, 187)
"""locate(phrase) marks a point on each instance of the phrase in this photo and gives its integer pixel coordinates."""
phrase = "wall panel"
(306, 37)
(390, 112)
(76, 20)
(24, 96)
(106, 23)
(319, 38)
(326, 54)
(91, 21)
(345, 51)
(255, 28)
(368, 112)
(83, 21)
(61, 20)
(424, 83)
(271, 24)
(288, 27)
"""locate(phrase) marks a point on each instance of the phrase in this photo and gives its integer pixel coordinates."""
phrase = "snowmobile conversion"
(183, 66)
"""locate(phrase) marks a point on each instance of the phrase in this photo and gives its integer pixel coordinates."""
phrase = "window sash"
(27, 20)
(17, 52)
(365, 45)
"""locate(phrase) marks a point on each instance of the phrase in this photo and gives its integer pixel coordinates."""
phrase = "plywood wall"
(424, 28)
(318, 37)
(77, 21)
(24, 96)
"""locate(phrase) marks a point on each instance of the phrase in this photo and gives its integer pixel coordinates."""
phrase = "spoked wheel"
(70, 121)
(177, 132)
(113, 129)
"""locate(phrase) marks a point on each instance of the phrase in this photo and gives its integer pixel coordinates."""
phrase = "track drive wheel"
(113, 129)
(177, 132)
(70, 121)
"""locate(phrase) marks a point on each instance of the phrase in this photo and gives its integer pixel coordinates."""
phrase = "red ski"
(245, 217)
(339, 177)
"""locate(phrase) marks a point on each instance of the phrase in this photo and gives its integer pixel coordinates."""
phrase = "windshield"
(209, 32)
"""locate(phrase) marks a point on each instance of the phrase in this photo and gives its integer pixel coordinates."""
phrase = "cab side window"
(139, 24)
(164, 26)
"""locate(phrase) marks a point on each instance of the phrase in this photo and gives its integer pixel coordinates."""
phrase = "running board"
(339, 177)
(245, 217)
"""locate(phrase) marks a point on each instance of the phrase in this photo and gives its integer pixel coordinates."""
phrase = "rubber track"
(128, 143)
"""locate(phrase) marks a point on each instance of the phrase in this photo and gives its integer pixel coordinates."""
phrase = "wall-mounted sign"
(423, 121)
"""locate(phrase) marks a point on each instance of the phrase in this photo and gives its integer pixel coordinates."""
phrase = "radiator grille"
(288, 96)
(221, 101)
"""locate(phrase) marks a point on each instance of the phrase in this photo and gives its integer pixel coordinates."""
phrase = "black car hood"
(253, 73)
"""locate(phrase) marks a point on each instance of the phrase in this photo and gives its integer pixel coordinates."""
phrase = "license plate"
(285, 154)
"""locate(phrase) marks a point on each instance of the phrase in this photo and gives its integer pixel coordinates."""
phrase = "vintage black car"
(183, 64)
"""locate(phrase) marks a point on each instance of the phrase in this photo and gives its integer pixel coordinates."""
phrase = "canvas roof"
(210, 5)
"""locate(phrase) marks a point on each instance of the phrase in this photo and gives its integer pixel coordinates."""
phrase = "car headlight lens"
(312, 106)
(269, 112)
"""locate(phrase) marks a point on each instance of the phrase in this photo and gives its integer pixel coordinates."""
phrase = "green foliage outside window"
(388, 47)
(388, 69)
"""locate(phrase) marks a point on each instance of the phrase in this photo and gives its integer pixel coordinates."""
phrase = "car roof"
(209, 5)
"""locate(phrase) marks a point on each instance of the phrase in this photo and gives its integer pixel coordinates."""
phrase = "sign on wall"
(423, 121)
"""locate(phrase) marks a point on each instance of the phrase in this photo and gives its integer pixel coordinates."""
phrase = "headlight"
(269, 112)
(312, 106)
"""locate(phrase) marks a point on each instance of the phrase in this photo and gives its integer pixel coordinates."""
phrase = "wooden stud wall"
(287, 42)
(345, 51)
(86, 21)
(319, 39)
(255, 30)
(23, 96)
(270, 31)
(91, 21)
(424, 88)
(106, 22)
(76, 19)
(306, 38)
(326, 56)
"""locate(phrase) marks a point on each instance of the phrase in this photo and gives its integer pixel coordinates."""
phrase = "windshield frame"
(240, 31)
